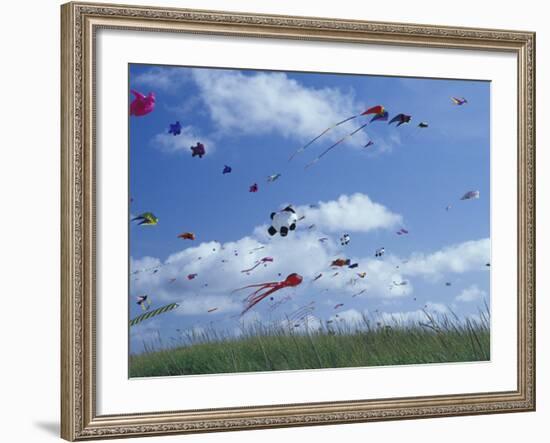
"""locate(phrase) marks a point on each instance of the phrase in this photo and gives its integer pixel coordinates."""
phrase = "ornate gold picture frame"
(80, 23)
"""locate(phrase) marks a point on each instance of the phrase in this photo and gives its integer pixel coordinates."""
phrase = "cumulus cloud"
(162, 78)
(406, 318)
(267, 102)
(472, 293)
(355, 213)
(351, 317)
(460, 258)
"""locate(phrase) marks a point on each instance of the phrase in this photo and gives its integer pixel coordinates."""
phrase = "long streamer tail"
(303, 148)
(335, 144)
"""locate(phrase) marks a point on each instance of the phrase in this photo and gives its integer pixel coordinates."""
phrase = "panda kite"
(283, 221)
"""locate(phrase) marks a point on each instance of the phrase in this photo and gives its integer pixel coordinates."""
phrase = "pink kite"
(191, 276)
(142, 105)
(257, 296)
(253, 188)
(264, 260)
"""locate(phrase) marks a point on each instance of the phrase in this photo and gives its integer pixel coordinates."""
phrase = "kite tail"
(252, 268)
(254, 286)
(335, 144)
(303, 148)
(258, 298)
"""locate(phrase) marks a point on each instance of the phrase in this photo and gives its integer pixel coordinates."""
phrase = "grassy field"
(277, 348)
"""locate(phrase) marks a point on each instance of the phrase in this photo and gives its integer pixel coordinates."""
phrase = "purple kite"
(400, 119)
(382, 116)
(198, 149)
(459, 101)
(470, 195)
(175, 129)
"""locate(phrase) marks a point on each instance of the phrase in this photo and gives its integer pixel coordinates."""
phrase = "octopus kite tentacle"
(257, 296)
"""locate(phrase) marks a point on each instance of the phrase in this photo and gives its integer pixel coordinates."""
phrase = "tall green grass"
(437, 339)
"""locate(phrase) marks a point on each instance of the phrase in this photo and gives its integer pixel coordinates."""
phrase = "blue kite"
(175, 129)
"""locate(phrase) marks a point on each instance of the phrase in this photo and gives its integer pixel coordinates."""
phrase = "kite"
(402, 231)
(362, 291)
(422, 125)
(379, 252)
(264, 260)
(382, 116)
(172, 280)
(488, 265)
(226, 169)
(323, 239)
(175, 129)
(470, 195)
(283, 221)
(310, 227)
(351, 134)
(335, 274)
(142, 105)
(448, 283)
(339, 305)
(341, 262)
(345, 239)
(369, 143)
(361, 274)
(253, 188)
(198, 149)
(257, 296)
(144, 302)
(318, 277)
(459, 101)
(273, 177)
(256, 249)
(353, 265)
(401, 283)
(191, 276)
(146, 219)
(448, 207)
(400, 119)
(153, 313)
(212, 310)
(374, 110)
(187, 236)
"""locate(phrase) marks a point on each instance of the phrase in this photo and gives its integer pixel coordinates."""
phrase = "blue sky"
(253, 121)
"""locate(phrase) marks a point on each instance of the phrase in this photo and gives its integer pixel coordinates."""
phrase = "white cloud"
(162, 78)
(264, 103)
(219, 269)
(470, 294)
(460, 258)
(351, 317)
(355, 213)
(175, 143)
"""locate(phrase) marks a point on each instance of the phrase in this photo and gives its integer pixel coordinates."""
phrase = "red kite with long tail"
(257, 296)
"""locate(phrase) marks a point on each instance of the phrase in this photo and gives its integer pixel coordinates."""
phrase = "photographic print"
(294, 220)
